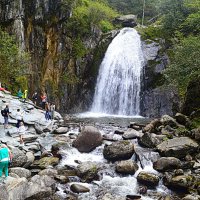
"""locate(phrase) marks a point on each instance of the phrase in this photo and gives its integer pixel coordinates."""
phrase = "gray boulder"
(132, 134)
(151, 140)
(127, 167)
(87, 171)
(21, 172)
(14, 188)
(148, 179)
(177, 147)
(61, 130)
(40, 187)
(167, 163)
(120, 150)
(126, 20)
(88, 139)
(48, 172)
(38, 128)
(19, 158)
(167, 120)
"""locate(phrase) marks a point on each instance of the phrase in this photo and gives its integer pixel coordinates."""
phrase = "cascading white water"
(118, 83)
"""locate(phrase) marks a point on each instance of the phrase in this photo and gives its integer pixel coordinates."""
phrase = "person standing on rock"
(5, 158)
(47, 113)
(52, 110)
(25, 95)
(44, 100)
(19, 94)
(19, 117)
(21, 131)
(35, 97)
(5, 115)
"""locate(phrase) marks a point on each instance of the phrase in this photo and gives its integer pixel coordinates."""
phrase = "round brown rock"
(127, 167)
(88, 139)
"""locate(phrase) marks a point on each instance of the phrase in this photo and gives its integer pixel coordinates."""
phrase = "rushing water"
(110, 181)
(118, 83)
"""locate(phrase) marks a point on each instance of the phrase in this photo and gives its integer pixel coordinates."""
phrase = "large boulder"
(45, 162)
(177, 147)
(21, 172)
(19, 158)
(179, 182)
(167, 163)
(151, 140)
(88, 139)
(40, 187)
(148, 179)
(127, 167)
(120, 150)
(132, 134)
(87, 171)
(168, 120)
(126, 20)
(14, 188)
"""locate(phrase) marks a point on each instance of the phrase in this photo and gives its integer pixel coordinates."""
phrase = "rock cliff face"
(157, 99)
(41, 29)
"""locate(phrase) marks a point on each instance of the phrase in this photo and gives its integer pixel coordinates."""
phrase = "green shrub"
(14, 62)
(106, 26)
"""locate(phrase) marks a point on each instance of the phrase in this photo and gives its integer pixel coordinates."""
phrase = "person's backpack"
(3, 113)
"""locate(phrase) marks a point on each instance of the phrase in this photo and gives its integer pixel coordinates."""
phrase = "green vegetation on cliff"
(181, 23)
(87, 15)
(14, 63)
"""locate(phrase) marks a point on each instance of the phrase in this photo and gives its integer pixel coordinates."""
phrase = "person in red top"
(44, 99)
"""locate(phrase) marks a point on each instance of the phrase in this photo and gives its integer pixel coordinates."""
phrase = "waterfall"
(118, 84)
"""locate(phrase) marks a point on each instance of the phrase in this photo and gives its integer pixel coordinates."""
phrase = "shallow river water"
(111, 182)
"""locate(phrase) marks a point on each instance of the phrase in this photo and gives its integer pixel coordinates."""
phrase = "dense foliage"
(13, 63)
(185, 64)
(181, 24)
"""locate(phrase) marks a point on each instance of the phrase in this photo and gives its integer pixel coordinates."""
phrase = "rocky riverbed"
(65, 160)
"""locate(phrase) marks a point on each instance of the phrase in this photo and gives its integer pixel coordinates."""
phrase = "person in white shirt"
(19, 117)
(52, 110)
(21, 131)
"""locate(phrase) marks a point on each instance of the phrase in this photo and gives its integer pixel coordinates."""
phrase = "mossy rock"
(45, 162)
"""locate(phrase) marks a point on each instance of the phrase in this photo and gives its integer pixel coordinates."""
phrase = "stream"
(110, 182)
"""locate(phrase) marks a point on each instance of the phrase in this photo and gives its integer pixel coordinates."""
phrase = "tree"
(185, 63)
(13, 62)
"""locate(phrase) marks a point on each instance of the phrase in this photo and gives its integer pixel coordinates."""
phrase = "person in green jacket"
(19, 94)
(5, 158)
